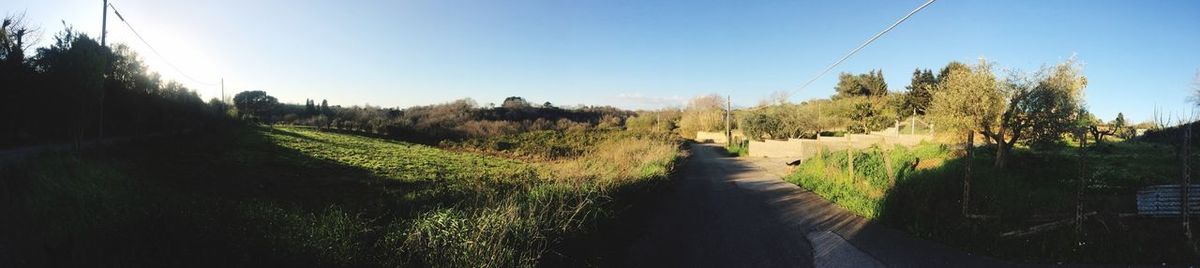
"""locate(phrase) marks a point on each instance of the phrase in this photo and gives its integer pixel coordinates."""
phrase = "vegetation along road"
(726, 211)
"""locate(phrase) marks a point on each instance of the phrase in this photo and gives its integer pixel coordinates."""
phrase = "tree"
(966, 99)
(919, 95)
(14, 30)
(703, 113)
(869, 114)
(255, 103)
(310, 107)
(325, 108)
(868, 84)
(515, 103)
(777, 98)
(779, 121)
(874, 83)
(86, 88)
(758, 125)
(78, 63)
(1036, 110)
(1196, 89)
(1049, 107)
(1120, 127)
(1037, 113)
(1087, 121)
(951, 67)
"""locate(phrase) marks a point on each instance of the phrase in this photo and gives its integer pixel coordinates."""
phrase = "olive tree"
(965, 100)
(1039, 108)
(1032, 109)
(780, 121)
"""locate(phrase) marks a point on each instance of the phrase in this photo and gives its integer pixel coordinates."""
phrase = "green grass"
(862, 193)
(738, 149)
(548, 144)
(298, 197)
(399, 160)
(925, 200)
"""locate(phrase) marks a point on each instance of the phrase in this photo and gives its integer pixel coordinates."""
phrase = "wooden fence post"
(967, 172)
(1184, 156)
(850, 156)
(1082, 135)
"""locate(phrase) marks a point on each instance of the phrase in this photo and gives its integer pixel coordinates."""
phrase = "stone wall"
(716, 137)
(805, 148)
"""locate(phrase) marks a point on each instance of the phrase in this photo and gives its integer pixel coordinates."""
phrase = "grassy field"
(922, 193)
(299, 197)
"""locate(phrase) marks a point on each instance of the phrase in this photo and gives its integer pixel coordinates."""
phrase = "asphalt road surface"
(731, 212)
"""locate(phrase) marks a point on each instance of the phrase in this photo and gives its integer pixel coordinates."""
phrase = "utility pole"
(104, 44)
(104, 25)
(222, 90)
(728, 124)
(1186, 208)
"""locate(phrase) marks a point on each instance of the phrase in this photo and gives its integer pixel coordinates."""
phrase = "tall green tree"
(255, 103)
(78, 62)
(919, 95)
(515, 102)
(949, 68)
(868, 84)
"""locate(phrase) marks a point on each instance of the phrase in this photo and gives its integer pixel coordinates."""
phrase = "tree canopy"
(868, 84)
(919, 94)
(255, 103)
(75, 89)
(703, 113)
(966, 98)
(1035, 109)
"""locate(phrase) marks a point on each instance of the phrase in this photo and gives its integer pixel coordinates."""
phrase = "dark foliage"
(458, 120)
(75, 90)
(919, 94)
(868, 84)
(1171, 135)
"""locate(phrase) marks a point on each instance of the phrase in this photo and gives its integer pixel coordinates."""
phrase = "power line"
(864, 44)
(160, 56)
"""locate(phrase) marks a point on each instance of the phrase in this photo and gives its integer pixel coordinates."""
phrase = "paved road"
(729, 212)
(14, 155)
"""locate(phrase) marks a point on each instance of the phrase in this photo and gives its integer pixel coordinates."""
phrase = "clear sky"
(636, 54)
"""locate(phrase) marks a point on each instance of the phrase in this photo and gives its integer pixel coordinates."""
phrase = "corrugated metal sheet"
(1167, 200)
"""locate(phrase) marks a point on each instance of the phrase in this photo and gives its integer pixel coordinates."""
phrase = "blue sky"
(637, 54)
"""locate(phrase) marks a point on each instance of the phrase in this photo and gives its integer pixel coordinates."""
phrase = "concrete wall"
(773, 148)
(805, 148)
(716, 137)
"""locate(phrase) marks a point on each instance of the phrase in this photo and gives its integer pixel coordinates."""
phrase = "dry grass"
(516, 230)
(617, 160)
